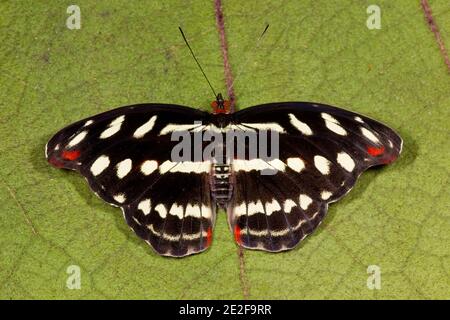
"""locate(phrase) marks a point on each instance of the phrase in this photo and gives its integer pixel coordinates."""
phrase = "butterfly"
(126, 155)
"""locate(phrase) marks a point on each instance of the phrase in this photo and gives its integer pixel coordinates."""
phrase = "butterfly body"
(127, 156)
(222, 185)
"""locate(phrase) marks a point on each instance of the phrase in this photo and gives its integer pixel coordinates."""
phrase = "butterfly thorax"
(220, 106)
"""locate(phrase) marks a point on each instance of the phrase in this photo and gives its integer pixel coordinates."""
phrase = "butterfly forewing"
(120, 151)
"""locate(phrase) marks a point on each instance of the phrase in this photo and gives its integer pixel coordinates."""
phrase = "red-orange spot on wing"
(55, 162)
(237, 234)
(374, 151)
(208, 237)
(390, 159)
(70, 155)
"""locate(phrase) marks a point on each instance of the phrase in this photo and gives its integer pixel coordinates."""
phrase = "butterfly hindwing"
(175, 216)
(266, 216)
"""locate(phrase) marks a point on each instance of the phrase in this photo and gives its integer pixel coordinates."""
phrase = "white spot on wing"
(359, 119)
(369, 135)
(194, 236)
(145, 206)
(99, 165)
(272, 207)
(304, 201)
(176, 210)
(123, 168)
(240, 210)
(167, 166)
(120, 198)
(77, 139)
(273, 233)
(211, 129)
(299, 125)
(288, 205)
(325, 195)
(258, 164)
(185, 167)
(262, 126)
(335, 128)
(88, 123)
(113, 127)
(178, 127)
(110, 132)
(149, 166)
(193, 211)
(146, 127)
(322, 164)
(315, 215)
(117, 121)
(296, 164)
(206, 212)
(328, 117)
(255, 207)
(136, 220)
(161, 210)
(346, 161)
(257, 233)
(332, 124)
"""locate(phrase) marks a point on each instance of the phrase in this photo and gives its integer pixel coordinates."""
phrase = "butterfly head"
(220, 105)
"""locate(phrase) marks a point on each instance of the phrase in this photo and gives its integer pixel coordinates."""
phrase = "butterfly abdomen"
(221, 185)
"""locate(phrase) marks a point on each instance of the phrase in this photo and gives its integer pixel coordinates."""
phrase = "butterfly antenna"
(198, 63)
(248, 56)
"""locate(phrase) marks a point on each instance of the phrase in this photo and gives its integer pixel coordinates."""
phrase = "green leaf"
(396, 217)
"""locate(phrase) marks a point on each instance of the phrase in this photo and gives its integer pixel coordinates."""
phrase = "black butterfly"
(125, 155)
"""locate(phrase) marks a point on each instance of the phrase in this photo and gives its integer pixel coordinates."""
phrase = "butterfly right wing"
(322, 152)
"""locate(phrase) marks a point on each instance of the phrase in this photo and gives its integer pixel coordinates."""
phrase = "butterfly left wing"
(322, 152)
(125, 155)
